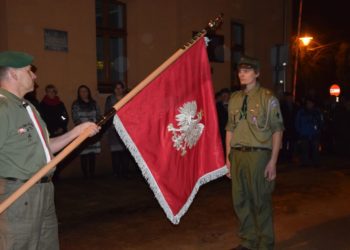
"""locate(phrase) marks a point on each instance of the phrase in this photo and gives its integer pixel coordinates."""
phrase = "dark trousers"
(120, 163)
(87, 162)
(252, 201)
(309, 151)
(288, 147)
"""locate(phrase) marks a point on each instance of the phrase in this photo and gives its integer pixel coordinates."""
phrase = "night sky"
(328, 22)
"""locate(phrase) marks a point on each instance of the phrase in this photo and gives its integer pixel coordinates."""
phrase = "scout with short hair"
(253, 139)
(30, 222)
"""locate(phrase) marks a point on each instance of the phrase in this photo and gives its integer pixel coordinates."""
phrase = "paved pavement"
(312, 212)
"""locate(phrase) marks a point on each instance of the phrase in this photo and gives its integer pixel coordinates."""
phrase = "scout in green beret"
(15, 64)
(253, 139)
(15, 59)
(25, 147)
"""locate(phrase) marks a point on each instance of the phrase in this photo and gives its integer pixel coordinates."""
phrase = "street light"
(304, 41)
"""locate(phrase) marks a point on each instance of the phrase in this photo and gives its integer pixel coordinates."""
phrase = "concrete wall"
(3, 24)
(156, 29)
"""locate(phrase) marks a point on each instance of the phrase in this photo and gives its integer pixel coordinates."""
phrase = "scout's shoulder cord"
(255, 122)
(267, 117)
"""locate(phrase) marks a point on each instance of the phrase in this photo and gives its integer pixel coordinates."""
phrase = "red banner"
(171, 129)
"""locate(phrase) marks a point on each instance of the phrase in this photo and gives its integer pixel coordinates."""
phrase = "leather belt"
(250, 149)
(44, 179)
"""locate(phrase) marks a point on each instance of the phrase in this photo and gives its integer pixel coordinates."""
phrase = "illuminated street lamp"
(306, 40)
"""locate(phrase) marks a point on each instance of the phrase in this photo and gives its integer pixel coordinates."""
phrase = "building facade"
(72, 44)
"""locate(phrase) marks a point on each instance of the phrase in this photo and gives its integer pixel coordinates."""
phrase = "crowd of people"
(84, 109)
(311, 128)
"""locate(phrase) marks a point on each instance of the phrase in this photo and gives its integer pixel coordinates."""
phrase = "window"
(215, 47)
(110, 43)
(237, 49)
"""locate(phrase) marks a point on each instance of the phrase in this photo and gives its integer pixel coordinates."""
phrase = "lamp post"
(297, 50)
(300, 42)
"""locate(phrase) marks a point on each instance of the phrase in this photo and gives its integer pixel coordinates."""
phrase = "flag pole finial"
(215, 23)
(212, 26)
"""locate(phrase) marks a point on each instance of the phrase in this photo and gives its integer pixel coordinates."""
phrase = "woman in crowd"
(84, 108)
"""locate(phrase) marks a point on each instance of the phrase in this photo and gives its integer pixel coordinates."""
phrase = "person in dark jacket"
(308, 124)
(289, 110)
(54, 112)
(221, 107)
(55, 115)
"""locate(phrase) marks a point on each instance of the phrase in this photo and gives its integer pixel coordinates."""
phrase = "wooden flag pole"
(212, 25)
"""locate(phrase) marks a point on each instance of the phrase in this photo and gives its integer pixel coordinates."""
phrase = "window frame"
(235, 47)
(106, 33)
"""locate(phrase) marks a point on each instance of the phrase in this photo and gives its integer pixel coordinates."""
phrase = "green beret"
(247, 62)
(15, 59)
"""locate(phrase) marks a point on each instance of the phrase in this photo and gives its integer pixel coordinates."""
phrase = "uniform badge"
(274, 103)
(189, 127)
(21, 131)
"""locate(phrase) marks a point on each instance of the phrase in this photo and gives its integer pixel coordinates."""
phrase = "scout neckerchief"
(243, 112)
(39, 130)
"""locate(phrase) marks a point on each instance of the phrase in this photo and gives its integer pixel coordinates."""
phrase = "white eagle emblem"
(190, 129)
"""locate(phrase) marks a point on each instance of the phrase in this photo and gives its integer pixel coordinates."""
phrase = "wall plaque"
(56, 40)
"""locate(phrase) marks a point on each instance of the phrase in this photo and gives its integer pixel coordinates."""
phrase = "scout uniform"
(253, 117)
(19, 138)
(30, 222)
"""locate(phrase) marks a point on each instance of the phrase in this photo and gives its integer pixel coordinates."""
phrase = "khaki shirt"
(21, 151)
(263, 118)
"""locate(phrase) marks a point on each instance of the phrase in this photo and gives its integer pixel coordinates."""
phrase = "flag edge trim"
(175, 219)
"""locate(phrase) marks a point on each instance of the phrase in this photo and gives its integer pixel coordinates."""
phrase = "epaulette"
(3, 100)
(235, 93)
(268, 92)
(266, 95)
